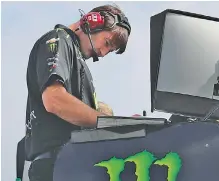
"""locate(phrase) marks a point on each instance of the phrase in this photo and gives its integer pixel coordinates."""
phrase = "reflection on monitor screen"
(190, 56)
(184, 63)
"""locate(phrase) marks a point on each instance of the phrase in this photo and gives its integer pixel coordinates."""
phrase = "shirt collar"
(74, 37)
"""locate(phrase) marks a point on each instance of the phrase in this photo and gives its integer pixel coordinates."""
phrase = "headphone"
(94, 22)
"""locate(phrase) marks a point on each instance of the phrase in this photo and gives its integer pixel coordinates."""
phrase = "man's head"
(106, 40)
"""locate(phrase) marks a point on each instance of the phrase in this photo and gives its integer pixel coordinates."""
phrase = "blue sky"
(122, 81)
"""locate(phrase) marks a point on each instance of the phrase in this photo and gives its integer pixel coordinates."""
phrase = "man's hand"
(104, 108)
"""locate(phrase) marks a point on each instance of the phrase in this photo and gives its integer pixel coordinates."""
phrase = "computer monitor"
(184, 63)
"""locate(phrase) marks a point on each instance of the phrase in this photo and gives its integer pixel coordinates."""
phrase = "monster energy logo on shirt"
(53, 46)
(143, 162)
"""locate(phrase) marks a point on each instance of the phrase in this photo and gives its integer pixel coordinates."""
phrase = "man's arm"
(53, 71)
(59, 102)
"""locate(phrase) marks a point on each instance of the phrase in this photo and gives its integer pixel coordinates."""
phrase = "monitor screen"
(187, 71)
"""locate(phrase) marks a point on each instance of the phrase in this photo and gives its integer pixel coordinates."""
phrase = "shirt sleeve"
(53, 62)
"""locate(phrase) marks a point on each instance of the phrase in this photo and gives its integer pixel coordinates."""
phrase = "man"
(61, 95)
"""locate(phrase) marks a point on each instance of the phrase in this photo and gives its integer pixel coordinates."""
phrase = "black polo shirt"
(55, 56)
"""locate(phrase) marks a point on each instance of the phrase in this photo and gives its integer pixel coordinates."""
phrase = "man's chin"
(86, 57)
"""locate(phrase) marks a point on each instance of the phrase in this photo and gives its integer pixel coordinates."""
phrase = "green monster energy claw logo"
(53, 44)
(53, 47)
(143, 162)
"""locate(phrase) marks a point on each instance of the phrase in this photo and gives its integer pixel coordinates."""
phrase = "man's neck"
(75, 27)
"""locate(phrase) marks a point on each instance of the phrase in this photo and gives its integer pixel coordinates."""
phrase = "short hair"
(120, 36)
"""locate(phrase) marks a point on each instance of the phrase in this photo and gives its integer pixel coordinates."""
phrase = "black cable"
(212, 110)
(95, 56)
(82, 12)
(209, 113)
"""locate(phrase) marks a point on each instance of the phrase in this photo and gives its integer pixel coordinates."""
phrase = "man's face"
(101, 42)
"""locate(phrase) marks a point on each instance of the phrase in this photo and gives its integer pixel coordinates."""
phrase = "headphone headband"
(122, 21)
(94, 22)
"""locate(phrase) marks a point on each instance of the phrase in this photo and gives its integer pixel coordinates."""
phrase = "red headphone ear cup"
(94, 21)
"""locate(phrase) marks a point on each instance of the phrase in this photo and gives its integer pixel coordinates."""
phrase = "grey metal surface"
(103, 135)
(185, 105)
(115, 121)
